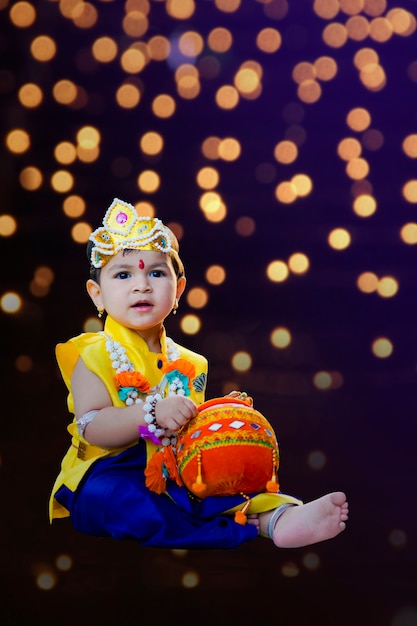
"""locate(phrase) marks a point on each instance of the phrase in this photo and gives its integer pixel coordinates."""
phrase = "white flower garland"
(120, 363)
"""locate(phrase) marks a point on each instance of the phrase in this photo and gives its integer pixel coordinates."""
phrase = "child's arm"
(112, 426)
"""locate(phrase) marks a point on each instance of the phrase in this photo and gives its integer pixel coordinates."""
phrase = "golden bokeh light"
(286, 192)
(135, 24)
(197, 297)
(303, 184)
(229, 149)
(133, 61)
(269, 40)
(410, 146)
(322, 380)
(387, 287)
(380, 29)
(215, 274)
(62, 181)
(277, 271)
(22, 14)
(74, 206)
(149, 181)
(128, 96)
(309, 91)
(18, 141)
(364, 57)
(151, 143)
(227, 97)
(299, 263)
(31, 178)
(65, 91)
(408, 233)
(65, 152)
(8, 225)
(180, 9)
(43, 48)
(358, 119)
(227, 6)
(374, 8)
(409, 191)
(382, 347)
(326, 9)
(373, 77)
(80, 232)
(303, 71)
(280, 337)
(220, 39)
(241, 361)
(191, 44)
(84, 15)
(325, 68)
(104, 49)
(335, 35)
(339, 239)
(147, 208)
(208, 178)
(357, 27)
(159, 48)
(357, 168)
(286, 152)
(163, 106)
(190, 324)
(11, 302)
(349, 148)
(364, 205)
(30, 95)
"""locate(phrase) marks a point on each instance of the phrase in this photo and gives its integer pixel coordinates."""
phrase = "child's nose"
(142, 283)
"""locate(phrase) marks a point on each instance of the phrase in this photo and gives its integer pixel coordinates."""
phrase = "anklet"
(275, 517)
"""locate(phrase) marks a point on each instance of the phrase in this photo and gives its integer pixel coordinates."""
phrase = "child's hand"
(175, 411)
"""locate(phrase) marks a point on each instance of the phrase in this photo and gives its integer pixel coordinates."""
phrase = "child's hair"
(174, 254)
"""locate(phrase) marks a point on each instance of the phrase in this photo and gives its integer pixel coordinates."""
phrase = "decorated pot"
(228, 448)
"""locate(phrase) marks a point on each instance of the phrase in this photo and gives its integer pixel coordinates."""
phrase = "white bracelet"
(84, 420)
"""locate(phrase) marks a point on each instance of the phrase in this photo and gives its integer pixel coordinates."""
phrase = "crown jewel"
(124, 228)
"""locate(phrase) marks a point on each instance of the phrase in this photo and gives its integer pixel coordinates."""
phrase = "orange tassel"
(155, 480)
(170, 463)
(199, 487)
(240, 518)
(272, 486)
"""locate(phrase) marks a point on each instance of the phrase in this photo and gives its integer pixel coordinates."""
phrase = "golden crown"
(124, 228)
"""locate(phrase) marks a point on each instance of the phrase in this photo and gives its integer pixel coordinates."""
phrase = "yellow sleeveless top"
(91, 347)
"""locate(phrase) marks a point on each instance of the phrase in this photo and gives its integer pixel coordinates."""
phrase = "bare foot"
(310, 523)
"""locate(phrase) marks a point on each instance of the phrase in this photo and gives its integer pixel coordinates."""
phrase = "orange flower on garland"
(133, 379)
(181, 365)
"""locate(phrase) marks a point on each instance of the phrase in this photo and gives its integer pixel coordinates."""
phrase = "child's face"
(137, 288)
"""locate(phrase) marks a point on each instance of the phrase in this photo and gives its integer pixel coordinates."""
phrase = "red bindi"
(141, 264)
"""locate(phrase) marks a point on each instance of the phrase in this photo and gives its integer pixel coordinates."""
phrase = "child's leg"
(309, 523)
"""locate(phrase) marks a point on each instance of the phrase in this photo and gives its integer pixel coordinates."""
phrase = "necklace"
(134, 388)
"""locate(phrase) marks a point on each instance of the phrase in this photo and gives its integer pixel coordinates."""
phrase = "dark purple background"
(366, 428)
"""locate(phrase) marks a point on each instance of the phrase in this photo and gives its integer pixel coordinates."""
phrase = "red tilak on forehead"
(141, 264)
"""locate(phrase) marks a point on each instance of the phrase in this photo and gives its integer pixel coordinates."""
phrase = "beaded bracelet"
(152, 427)
(153, 430)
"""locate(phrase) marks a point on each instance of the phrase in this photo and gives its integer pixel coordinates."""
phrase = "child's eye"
(122, 275)
(157, 273)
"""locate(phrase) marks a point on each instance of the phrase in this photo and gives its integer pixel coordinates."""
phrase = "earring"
(100, 313)
(174, 310)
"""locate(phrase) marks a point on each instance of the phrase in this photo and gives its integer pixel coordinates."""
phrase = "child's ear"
(94, 291)
(181, 286)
